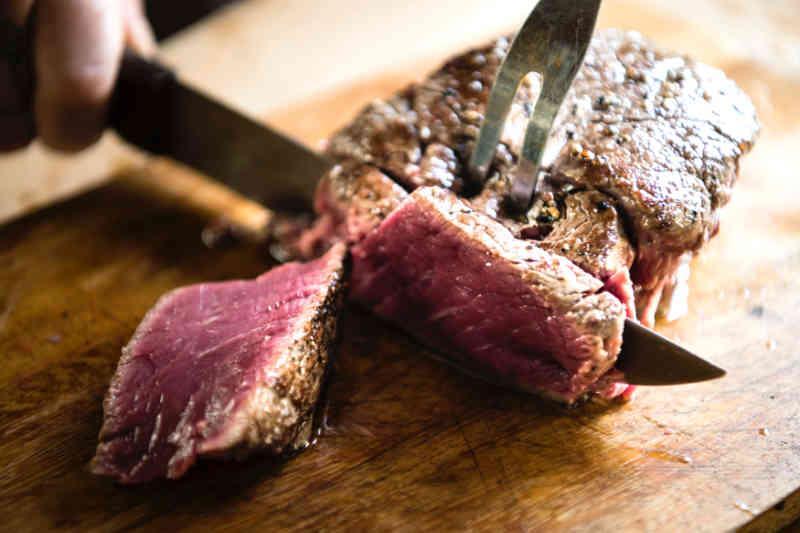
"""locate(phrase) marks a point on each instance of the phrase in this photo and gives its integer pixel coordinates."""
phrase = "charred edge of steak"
(663, 135)
(659, 132)
(589, 232)
(351, 199)
(384, 135)
(423, 135)
(583, 225)
(290, 379)
(227, 385)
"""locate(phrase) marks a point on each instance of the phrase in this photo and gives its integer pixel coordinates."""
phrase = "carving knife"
(153, 110)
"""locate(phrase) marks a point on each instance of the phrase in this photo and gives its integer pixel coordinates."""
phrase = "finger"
(78, 48)
(138, 33)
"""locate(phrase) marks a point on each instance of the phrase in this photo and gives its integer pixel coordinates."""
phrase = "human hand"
(77, 48)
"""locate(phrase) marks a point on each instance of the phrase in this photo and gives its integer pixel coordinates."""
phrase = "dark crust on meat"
(591, 235)
(279, 402)
(443, 111)
(450, 104)
(643, 154)
(320, 338)
(299, 376)
(365, 190)
(658, 132)
(384, 135)
(352, 199)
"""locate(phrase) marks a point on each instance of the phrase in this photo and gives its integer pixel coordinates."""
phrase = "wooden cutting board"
(406, 444)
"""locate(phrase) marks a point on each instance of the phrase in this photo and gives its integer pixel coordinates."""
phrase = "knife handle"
(140, 103)
(16, 82)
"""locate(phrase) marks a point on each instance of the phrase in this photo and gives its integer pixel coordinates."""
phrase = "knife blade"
(153, 110)
(648, 358)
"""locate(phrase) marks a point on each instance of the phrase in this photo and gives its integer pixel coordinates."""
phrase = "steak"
(220, 370)
(590, 234)
(352, 199)
(459, 281)
(643, 154)
(662, 134)
(658, 133)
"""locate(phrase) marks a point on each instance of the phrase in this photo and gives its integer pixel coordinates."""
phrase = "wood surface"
(406, 444)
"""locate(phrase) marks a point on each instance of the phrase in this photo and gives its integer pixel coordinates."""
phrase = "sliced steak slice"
(460, 282)
(221, 369)
(351, 200)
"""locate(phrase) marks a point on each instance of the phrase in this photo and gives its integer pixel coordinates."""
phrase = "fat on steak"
(220, 370)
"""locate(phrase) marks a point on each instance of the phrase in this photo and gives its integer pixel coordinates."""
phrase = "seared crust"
(283, 405)
(384, 135)
(360, 193)
(352, 199)
(662, 134)
(302, 373)
(222, 369)
(591, 235)
(657, 132)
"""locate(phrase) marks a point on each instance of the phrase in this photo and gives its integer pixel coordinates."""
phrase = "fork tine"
(552, 41)
(500, 99)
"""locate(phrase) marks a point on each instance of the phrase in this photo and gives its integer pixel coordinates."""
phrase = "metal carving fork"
(552, 42)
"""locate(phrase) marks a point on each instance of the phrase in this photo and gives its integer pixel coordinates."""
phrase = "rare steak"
(656, 132)
(221, 369)
(642, 156)
(460, 282)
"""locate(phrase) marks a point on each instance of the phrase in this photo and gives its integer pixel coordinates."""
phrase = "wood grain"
(406, 444)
